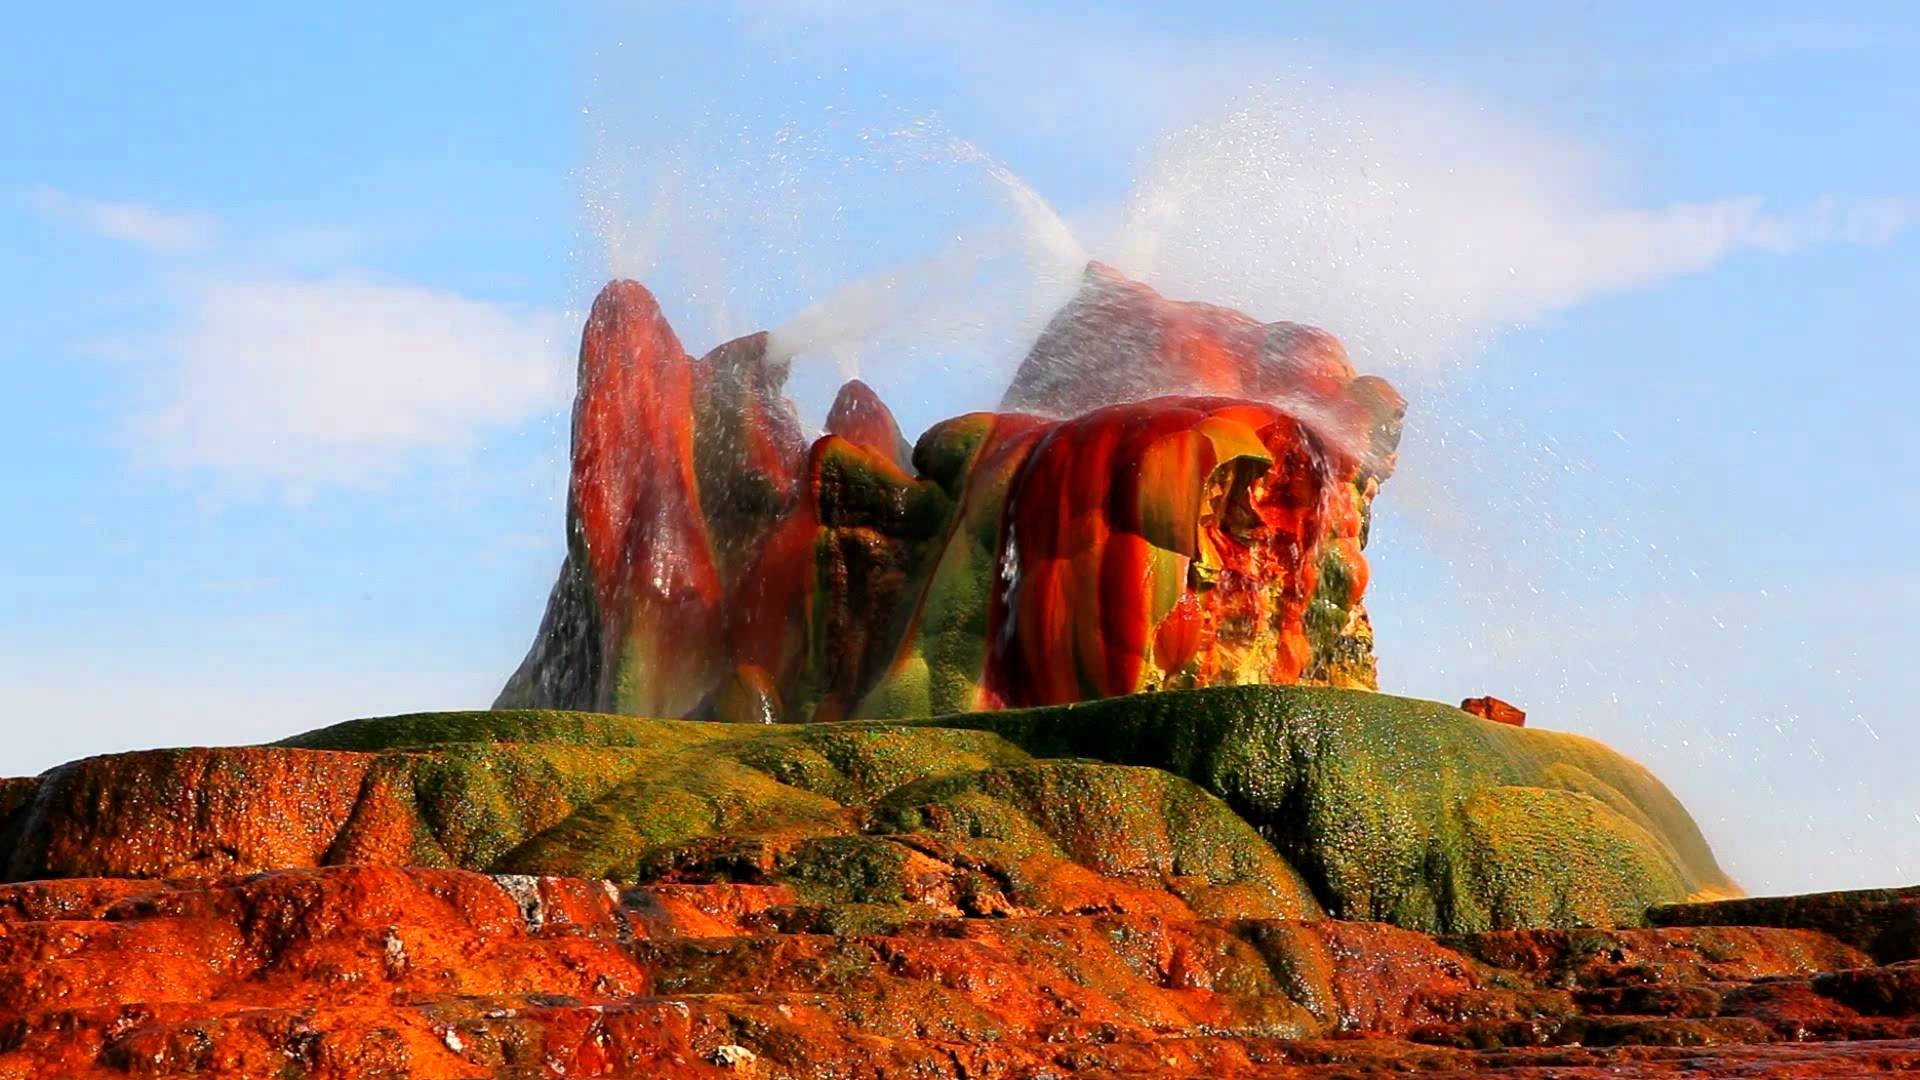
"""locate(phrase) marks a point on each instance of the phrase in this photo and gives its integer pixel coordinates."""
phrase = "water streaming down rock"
(1175, 495)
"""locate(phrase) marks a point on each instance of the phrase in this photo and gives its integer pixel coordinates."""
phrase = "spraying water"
(985, 292)
(1417, 229)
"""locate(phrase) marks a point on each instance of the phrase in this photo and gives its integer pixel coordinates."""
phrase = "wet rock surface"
(365, 970)
(1174, 496)
(1261, 881)
(1263, 802)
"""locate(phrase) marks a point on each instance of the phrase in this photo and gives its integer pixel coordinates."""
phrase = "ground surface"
(351, 971)
(1137, 887)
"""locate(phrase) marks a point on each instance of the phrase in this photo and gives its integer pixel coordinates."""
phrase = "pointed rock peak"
(626, 307)
(747, 356)
(860, 417)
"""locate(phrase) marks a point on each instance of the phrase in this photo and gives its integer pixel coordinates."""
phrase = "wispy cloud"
(148, 227)
(1410, 221)
(342, 381)
(267, 377)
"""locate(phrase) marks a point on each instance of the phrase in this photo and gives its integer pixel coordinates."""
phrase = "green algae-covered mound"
(1255, 802)
(1408, 811)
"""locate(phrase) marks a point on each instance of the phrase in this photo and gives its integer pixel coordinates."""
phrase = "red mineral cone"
(635, 507)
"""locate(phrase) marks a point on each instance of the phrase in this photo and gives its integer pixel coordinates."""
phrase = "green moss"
(1562, 852)
(858, 762)
(481, 801)
(1116, 819)
(948, 643)
(858, 488)
(777, 781)
(1237, 798)
(688, 799)
(946, 452)
(1338, 636)
(904, 689)
(948, 638)
(849, 870)
(1392, 808)
(509, 726)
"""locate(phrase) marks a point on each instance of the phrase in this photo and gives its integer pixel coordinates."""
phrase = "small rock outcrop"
(1492, 708)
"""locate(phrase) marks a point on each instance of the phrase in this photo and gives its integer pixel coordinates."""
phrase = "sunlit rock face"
(1176, 495)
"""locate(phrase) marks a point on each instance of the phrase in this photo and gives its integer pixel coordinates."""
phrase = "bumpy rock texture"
(1177, 496)
(1247, 801)
(1138, 887)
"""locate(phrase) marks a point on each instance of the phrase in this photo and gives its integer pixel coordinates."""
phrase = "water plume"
(985, 293)
(1417, 225)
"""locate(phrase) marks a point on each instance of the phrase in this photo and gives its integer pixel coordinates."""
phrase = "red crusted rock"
(719, 568)
(1492, 708)
(356, 970)
(634, 509)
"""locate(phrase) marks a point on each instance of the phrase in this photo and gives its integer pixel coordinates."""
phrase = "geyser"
(1174, 495)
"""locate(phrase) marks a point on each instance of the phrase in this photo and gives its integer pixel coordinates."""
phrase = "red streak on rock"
(1118, 549)
(635, 505)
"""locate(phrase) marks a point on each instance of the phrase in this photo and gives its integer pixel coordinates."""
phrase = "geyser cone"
(1133, 537)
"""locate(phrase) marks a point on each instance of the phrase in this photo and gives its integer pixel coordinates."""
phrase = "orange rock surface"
(356, 971)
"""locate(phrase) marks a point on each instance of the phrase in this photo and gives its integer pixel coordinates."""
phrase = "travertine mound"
(1254, 802)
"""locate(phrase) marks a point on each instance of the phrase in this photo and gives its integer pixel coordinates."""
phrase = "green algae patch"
(585, 794)
(1119, 821)
(1406, 811)
(860, 761)
(1236, 802)
(688, 800)
(480, 801)
(507, 726)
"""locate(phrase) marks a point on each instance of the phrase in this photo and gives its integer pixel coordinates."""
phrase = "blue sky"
(290, 297)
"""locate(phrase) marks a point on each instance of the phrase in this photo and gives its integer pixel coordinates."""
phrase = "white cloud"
(342, 381)
(267, 378)
(1408, 221)
(144, 226)
(1281, 177)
